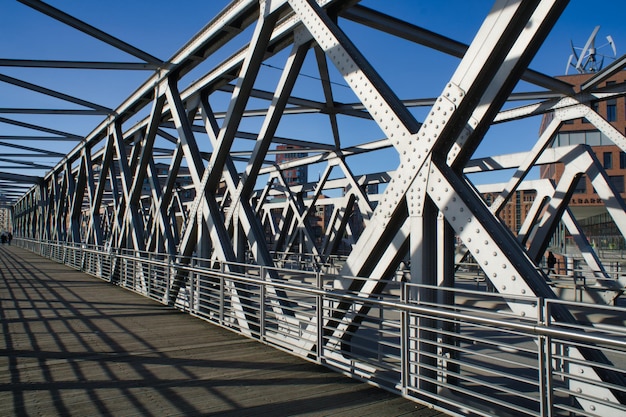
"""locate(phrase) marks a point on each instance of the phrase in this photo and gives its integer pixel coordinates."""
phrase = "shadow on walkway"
(75, 345)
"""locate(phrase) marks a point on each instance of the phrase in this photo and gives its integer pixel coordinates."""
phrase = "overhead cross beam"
(91, 31)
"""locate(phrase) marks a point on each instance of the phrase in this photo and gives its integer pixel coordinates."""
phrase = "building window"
(611, 110)
(594, 106)
(618, 183)
(622, 160)
(608, 160)
(577, 138)
(593, 138)
(581, 185)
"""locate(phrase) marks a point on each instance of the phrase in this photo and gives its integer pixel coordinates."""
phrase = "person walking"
(551, 263)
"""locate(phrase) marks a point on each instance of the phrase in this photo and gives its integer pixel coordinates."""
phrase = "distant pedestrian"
(10, 237)
(551, 263)
(3, 238)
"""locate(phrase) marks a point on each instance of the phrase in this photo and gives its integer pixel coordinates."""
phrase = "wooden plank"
(75, 345)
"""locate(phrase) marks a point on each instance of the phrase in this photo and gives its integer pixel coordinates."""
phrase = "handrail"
(411, 341)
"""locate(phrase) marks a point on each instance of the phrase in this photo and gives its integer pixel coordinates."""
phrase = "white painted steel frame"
(107, 191)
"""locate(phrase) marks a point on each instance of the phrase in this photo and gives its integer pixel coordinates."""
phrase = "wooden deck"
(75, 345)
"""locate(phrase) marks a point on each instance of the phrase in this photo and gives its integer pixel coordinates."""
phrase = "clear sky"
(161, 27)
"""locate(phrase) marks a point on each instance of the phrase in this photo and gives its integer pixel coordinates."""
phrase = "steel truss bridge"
(380, 293)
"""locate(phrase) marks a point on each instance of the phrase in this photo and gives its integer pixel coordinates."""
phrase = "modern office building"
(292, 176)
(585, 203)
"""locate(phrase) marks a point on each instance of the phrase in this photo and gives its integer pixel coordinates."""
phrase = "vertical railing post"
(190, 292)
(221, 300)
(166, 295)
(111, 264)
(404, 340)
(262, 304)
(149, 281)
(319, 315)
(136, 256)
(545, 361)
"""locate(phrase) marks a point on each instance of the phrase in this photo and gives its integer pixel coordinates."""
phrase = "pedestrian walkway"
(76, 345)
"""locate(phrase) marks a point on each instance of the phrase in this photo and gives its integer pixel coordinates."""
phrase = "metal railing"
(466, 354)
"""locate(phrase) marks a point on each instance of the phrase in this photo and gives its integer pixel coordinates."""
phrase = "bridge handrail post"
(319, 316)
(545, 361)
(167, 279)
(262, 304)
(192, 282)
(83, 254)
(221, 301)
(111, 254)
(404, 341)
(149, 280)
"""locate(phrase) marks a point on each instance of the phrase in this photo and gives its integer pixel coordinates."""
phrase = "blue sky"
(161, 27)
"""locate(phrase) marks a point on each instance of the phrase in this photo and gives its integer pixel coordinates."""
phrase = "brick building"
(515, 211)
(287, 153)
(585, 203)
